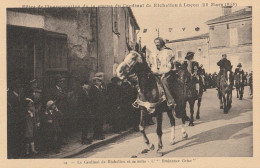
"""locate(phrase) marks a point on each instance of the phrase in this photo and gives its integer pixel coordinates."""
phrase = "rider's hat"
(189, 55)
(239, 65)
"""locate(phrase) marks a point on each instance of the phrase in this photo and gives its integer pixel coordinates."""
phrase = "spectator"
(85, 112)
(15, 120)
(246, 79)
(98, 99)
(129, 96)
(31, 124)
(115, 94)
(60, 96)
(51, 126)
(34, 93)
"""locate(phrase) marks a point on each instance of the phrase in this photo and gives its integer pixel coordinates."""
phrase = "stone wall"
(82, 44)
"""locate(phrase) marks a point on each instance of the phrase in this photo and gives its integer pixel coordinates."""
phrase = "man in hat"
(97, 94)
(193, 68)
(239, 74)
(162, 66)
(60, 96)
(225, 66)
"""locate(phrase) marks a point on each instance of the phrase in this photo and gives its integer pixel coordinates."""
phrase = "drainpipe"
(97, 38)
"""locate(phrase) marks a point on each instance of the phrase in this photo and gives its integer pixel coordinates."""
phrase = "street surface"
(214, 135)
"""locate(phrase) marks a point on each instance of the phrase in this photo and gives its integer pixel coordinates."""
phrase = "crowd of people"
(41, 122)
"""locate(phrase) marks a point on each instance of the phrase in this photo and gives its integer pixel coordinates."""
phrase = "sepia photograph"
(167, 80)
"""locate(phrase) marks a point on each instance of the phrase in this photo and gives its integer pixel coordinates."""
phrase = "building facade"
(74, 42)
(231, 34)
(197, 44)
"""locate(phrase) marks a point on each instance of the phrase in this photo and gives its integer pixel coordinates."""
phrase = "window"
(227, 26)
(211, 27)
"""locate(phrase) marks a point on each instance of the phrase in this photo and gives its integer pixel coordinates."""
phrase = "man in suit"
(15, 123)
(59, 95)
(98, 99)
(85, 112)
(116, 115)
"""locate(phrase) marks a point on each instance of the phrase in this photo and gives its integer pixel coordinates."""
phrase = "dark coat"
(60, 96)
(193, 64)
(98, 99)
(14, 106)
(201, 71)
(53, 128)
(30, 124)
(84, 104)
(225, 64)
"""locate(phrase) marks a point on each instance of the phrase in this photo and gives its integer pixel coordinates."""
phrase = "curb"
(99, 144)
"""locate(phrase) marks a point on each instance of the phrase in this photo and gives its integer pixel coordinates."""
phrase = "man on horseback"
(202, 74)
(239, 72)
(225, 69)
(239, 80)
(193, 68)
(163, 66)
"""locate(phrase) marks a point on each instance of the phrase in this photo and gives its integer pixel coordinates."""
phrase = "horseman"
(193, 68)
(202, 74)
(162, 67)
(239, 72)
(225, 69)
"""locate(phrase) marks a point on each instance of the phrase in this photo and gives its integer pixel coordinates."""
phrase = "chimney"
(226, 10)
(248, 9)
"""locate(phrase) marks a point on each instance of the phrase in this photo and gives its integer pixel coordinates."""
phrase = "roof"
(134, 19)
(202, 36)
(237, 15)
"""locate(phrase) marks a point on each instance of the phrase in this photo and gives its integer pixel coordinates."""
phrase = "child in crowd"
(51, 126)
(31, 123)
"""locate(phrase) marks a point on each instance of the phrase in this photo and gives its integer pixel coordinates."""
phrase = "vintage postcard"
(129, 84)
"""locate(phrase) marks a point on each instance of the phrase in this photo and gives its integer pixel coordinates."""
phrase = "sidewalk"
(74, 146)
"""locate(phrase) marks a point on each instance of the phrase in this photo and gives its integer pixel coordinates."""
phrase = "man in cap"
(162, 66)
(97, 94)
(225, 66)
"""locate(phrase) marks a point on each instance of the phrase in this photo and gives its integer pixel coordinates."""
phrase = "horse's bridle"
(131, 65)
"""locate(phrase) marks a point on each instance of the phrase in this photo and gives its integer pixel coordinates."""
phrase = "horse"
(194, 94)
(225, 92)
(150, 98)
(239, 85)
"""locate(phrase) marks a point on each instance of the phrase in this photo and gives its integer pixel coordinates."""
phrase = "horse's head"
(133, 63)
